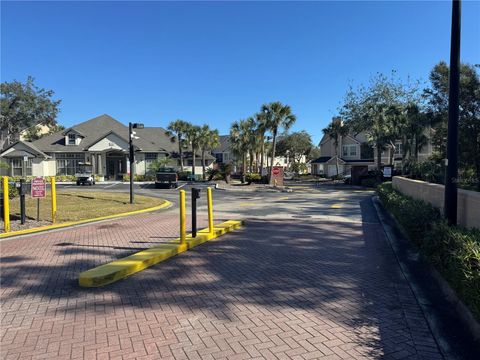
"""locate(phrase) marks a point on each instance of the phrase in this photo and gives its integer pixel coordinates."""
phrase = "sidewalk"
(276, 290)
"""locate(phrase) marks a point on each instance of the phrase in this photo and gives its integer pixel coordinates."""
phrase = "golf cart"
(85, 175)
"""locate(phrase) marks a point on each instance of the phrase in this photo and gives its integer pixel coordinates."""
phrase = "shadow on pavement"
(343, 276)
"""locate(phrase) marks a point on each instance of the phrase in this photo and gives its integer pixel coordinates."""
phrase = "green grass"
(74, 206)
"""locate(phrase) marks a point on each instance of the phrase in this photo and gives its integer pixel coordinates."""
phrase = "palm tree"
(209, 140)
(240, 142)
(252, 139)
(192, 135)
(335, 131)
(262, 127)
(277, 116)
(176, 130)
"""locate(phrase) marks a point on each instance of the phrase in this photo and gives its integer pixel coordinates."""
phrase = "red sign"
(39, 188)
(276, 171)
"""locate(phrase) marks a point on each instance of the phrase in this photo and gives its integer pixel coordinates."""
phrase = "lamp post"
(453, 113)
(131, 153)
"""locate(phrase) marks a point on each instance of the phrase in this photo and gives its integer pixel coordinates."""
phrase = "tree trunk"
(392, 153)
(244, 166)
(262, 154)
(193, 163)
(180, 152)
(257, 164)
(251, 161)
(274, 146)
(336, 156)
(379, 157)
(203, 164)
(416, 148)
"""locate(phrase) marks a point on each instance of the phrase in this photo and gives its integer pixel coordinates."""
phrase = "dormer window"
(72, 139)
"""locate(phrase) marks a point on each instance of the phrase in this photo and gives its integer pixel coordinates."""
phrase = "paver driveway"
(287, 288)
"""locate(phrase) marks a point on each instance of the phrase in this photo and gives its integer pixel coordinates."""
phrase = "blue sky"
(216, 62)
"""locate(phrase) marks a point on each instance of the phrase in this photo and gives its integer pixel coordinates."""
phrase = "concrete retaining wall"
(468, 210)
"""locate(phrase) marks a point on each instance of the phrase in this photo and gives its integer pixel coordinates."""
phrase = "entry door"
(111, 169)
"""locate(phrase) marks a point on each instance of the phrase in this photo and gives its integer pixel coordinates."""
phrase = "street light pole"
(131, 154)
(453, 114)
(131, 159)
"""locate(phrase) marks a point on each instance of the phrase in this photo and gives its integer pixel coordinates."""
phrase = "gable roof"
(17, 151)
(224, 146)
(321, 160)
(151, 139)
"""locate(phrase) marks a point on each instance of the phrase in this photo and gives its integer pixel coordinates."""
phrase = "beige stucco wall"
(110, 142)
(468, 210)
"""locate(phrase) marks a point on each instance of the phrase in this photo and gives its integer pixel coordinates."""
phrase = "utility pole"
(131, 154)
(451, 175)
(131, 158)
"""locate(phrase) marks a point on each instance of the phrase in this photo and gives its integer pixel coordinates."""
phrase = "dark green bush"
(184, 175)
(253, 178)
(454, 251)
(214, 174)
(369, 182)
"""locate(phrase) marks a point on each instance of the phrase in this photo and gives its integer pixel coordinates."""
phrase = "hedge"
(454, 251)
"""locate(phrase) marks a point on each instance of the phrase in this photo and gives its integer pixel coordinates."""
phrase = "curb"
(122, 268)
(73, 223)
(451, 323)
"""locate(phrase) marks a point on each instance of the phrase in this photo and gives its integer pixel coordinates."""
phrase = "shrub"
(148, 177)
(454, 251)
(369, 182)
(214, 174)
(253, 177)
(184, 175)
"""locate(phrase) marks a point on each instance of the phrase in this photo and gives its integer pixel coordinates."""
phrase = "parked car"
(166, 178)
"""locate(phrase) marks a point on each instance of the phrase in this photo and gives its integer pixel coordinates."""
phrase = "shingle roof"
(224, 146)
(28, 145)
(149, 139)
(321, 159)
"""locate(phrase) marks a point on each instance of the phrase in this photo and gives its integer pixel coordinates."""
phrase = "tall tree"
(262, 128)
(239, 138)
(209, 140)
(335, 131)
(193, 134)
(177, 131)
(277, 116)
(295, 145)
(370, 109)
(24, 105)
(469, 120)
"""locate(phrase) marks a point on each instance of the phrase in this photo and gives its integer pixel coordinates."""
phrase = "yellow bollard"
(6, 205)
(54, 198)
(183, 219)
(210, 211)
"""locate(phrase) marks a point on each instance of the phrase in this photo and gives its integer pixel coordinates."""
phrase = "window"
(349, 150)
(71, 139)
(21, 167)
(68, 164)
(149, 159)
(398, 149)
(219, 158)
(150, 156)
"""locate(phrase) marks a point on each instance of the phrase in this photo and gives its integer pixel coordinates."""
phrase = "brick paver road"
(290, 289)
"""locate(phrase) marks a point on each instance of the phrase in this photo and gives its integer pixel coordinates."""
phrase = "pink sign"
(39, 187)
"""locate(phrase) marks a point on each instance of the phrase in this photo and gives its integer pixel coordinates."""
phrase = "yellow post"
(210, 211)
(54, 198)
(6, 205)
(183, 218)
